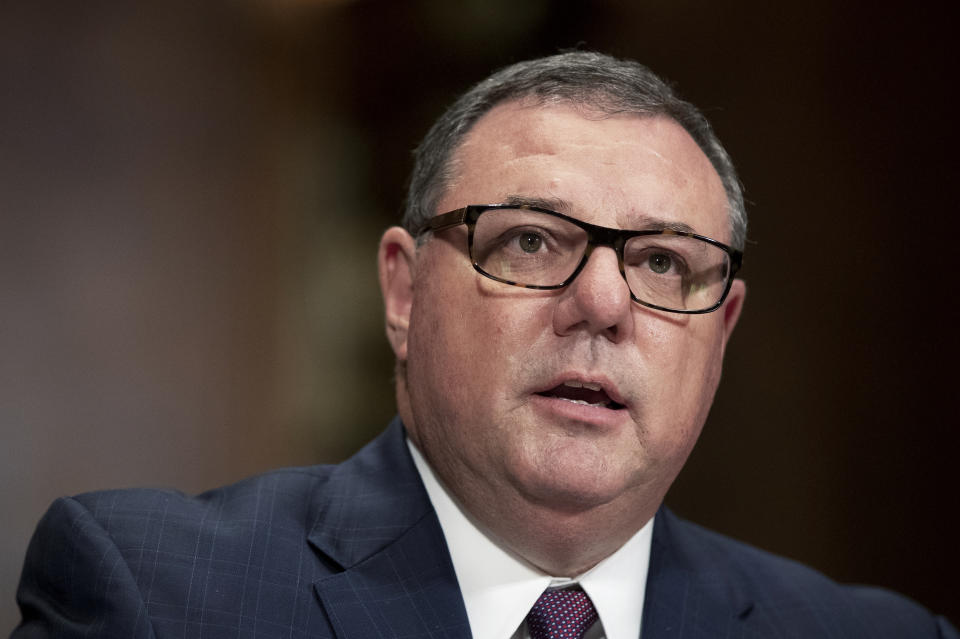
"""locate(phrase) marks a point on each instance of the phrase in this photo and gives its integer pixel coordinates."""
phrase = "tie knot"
(561, 614)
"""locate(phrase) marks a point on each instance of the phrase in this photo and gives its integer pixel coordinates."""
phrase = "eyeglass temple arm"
(445, 221)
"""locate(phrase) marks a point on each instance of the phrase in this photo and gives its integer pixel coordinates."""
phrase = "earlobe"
(395, 261)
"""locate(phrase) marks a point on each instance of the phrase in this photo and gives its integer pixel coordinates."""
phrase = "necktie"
(561, 614)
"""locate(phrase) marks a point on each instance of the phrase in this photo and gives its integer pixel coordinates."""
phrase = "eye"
(659, 262)
(530, 242)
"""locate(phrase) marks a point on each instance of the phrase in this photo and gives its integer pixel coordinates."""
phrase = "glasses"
(537, 248)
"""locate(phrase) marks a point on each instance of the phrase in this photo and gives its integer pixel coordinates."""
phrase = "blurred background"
(191, 195)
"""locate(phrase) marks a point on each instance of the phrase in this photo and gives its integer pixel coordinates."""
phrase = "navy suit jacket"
(355, 551)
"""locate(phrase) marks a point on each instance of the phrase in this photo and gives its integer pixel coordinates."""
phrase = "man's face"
(489, 367)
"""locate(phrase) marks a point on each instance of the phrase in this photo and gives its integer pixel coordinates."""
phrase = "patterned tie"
(561, 614)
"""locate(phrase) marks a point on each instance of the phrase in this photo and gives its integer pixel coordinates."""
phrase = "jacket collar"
(375, 527)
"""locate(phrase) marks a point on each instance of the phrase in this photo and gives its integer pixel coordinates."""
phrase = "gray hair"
(582, 78)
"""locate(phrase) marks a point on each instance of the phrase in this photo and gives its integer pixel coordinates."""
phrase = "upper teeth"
(587, 385)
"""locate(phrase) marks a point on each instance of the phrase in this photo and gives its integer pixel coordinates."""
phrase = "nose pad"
(598, 299)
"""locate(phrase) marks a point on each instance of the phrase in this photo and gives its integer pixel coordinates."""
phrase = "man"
(558, 300)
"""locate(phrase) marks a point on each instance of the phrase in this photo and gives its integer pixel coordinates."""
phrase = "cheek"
(496, 329)
(438, 352)
(684, 362)
(454, 342)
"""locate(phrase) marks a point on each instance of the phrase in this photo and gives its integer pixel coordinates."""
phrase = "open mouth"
(584, 393)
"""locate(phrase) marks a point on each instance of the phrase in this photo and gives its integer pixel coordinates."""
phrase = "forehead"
(622, 171)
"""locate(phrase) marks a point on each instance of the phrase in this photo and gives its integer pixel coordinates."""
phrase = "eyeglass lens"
(537, 249)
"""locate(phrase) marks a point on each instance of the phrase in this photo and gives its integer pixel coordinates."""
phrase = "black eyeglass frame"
(596, 236)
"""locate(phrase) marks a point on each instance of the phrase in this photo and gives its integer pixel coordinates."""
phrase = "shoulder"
(146, 562)
(774, 592)
(158, 529)
(254, 519)
(126, 563)
(278, 496)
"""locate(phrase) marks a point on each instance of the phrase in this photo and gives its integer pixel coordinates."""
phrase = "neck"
(562, 536)
(560, 542)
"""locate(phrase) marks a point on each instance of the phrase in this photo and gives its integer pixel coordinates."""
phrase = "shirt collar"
(499, 587)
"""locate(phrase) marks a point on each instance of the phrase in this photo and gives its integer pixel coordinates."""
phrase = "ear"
(731, 307)
(395, 261)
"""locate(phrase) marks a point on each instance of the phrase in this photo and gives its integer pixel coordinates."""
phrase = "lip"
(566, 411)
(599, 416)
(598, 380)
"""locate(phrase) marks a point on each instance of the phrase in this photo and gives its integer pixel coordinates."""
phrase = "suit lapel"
(393, 573)
(405, 590)
(689, 594)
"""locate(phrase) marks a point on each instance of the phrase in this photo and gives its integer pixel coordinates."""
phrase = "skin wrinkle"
(627, 219)
(519, 149)
(639, 221)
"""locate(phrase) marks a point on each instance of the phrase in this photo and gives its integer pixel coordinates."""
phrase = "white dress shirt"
(499, 587)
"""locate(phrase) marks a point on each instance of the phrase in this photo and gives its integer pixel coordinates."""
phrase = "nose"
(597, 301)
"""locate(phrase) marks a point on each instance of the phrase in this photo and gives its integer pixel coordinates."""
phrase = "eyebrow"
(657, 224)
(646, 223)
(552, 203)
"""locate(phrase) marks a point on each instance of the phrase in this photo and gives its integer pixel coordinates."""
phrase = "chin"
(573, 487)
(570, 468)
(569, 499)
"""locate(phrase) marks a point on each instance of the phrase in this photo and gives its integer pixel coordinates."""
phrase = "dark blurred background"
(191, 195)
